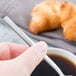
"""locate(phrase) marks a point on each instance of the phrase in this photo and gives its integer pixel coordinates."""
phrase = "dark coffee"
(66, 66)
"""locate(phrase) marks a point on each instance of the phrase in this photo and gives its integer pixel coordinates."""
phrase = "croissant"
(44, 17)
(51, 15)
(68, 21)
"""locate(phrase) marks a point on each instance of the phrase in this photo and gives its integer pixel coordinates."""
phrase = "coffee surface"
(66, 66)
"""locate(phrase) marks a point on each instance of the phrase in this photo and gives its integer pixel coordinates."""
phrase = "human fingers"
(11, 50)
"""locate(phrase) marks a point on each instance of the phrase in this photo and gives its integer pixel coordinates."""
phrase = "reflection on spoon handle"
(53, 65)
(21, 34)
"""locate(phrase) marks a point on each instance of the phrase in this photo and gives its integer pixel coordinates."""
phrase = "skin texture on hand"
(20, 60)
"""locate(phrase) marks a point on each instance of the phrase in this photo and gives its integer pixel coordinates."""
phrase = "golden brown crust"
(67, 13)
(68, 21)
(70, 29)
(44, 18)
(50, 15)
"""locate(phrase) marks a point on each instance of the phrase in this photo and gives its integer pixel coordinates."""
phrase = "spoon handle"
(23, 36)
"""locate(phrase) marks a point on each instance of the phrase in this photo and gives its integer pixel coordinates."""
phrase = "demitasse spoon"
(27, 39)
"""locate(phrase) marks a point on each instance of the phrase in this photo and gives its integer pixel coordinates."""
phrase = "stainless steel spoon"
(27, 39)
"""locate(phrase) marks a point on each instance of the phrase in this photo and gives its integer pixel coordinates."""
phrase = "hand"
(20, 60)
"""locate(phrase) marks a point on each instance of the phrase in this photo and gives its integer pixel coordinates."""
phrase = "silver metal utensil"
(27, 39)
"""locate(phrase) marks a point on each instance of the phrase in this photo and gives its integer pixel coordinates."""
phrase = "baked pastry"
(44, 17)
(68, 21)
(51, 15)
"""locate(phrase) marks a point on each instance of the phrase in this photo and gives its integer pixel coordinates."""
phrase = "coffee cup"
(65, 60)
(64, 53)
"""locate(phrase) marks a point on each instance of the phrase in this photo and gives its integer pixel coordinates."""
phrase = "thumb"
(33, 56)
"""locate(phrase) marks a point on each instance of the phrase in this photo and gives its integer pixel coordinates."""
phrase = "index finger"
(11, 50)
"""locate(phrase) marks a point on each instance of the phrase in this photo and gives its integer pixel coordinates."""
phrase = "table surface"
(8, 35)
